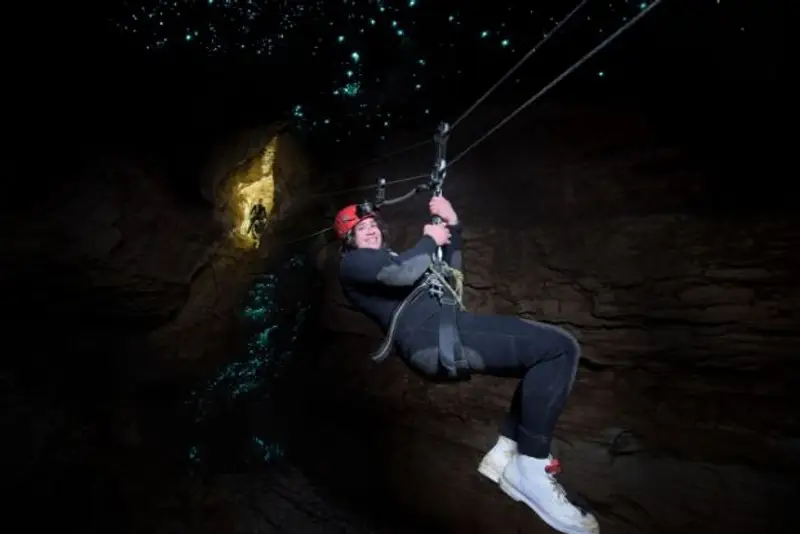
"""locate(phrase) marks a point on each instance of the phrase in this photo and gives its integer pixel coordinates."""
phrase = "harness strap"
(450, 349)
(451, 352)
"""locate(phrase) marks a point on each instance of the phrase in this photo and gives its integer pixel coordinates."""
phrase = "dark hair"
(349, 241)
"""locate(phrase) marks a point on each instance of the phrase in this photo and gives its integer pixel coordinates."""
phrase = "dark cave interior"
(174, 376)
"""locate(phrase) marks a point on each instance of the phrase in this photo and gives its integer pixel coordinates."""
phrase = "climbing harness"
(442, 281)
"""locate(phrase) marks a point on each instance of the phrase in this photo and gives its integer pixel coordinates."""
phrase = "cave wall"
(126, 254)
(125, 304)
(203, 333)
(687, 312)
(237, 150)
(123, 297)
(117, 227)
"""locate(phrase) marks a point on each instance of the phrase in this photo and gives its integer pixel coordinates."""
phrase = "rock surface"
(125, 295)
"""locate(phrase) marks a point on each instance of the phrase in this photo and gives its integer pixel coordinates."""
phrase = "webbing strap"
(451, 352)
(450, 349)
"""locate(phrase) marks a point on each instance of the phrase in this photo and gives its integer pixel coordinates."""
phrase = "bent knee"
(563, 343)
(572, 348)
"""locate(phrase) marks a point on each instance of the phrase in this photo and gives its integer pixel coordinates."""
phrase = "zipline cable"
(513, 69)
(393, 153)
(382, 157)
(560, 77)
(361, 188)
(309, 236)
(530, 101)
(352, 190)
(513, 114)
(478, 102)
(367, 187)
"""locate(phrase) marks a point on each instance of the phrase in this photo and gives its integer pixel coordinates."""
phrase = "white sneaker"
(532, 481)
(495, 461)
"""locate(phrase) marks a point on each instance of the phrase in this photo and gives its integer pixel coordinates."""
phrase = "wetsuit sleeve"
(452, 252)
(380, 266)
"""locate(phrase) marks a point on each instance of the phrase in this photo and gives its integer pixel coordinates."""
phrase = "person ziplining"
(415, 297)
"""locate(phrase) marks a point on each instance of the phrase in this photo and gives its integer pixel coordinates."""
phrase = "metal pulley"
(440, 165)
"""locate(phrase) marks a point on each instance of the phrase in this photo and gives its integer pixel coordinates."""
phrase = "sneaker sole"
(517, 496)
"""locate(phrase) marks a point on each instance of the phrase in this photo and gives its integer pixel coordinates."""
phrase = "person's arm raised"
(367, 266)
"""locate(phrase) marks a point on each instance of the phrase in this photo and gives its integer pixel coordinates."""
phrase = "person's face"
(367, 234)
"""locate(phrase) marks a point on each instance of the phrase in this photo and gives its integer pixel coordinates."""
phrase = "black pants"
(544, 356)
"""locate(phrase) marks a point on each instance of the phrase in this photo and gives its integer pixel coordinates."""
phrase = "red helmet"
(347, 219)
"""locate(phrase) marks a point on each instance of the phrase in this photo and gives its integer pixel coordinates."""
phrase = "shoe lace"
(552, 470)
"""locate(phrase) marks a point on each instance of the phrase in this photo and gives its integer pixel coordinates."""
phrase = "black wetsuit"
(544, 356)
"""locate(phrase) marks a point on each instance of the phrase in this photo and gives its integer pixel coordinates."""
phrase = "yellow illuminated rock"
(251, 183)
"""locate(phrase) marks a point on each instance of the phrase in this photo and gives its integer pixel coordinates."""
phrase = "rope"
(441, 271)
(513, 69)
(560, 77)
